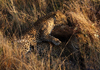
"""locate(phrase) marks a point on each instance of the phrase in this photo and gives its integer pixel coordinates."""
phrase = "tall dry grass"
(17, 16)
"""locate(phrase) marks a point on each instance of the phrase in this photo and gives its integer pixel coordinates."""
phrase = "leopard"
(42, 28)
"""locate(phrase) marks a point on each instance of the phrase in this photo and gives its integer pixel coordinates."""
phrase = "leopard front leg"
(52, 39)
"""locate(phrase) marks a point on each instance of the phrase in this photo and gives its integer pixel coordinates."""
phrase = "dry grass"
(17, 16)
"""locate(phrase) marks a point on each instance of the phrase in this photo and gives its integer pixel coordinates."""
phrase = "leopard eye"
(55, 16)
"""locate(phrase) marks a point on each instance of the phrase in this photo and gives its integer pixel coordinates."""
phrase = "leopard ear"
(58, 11)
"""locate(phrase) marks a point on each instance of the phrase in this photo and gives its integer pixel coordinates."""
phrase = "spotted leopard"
(42, 28)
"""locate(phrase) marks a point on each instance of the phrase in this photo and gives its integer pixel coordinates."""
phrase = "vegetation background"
(16, 16)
